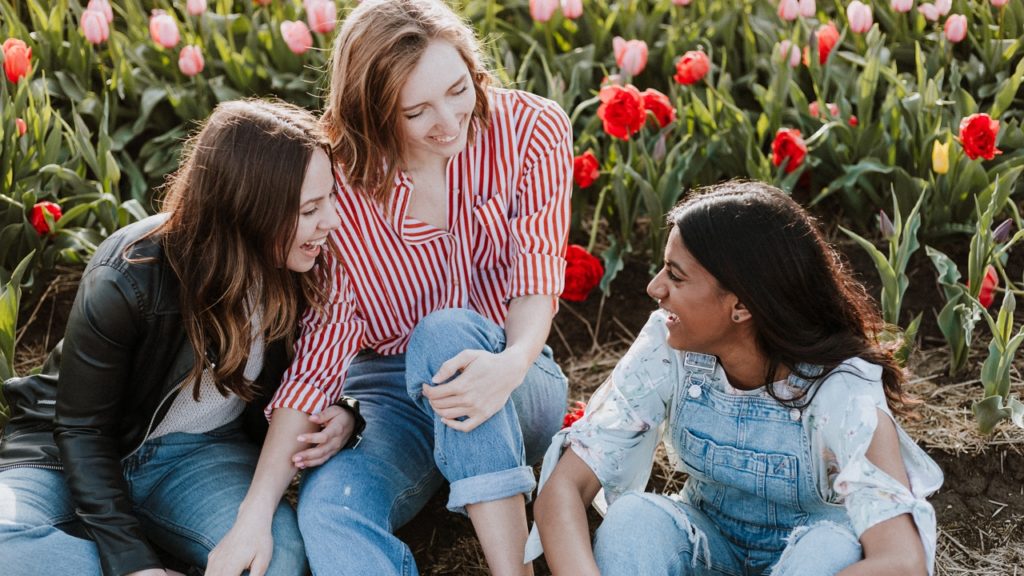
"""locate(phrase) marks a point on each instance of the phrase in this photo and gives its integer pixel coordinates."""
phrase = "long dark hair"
(233, 208)
(805, 306)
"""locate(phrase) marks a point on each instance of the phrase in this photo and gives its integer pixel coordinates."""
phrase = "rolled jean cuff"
(491, 486)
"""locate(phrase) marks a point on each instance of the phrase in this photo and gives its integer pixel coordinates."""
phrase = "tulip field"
(897, 122)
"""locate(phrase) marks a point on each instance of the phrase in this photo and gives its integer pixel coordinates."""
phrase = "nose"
(331, 219)
(656, 288)
(448, 118)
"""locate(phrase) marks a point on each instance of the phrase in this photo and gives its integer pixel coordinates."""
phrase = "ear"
(739, 312)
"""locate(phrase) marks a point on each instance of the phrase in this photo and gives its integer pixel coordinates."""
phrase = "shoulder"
(853, 379)
(650, 362)
(517, 108)
(128, 243)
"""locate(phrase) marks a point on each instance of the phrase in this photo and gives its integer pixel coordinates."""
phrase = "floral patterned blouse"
(626, 419)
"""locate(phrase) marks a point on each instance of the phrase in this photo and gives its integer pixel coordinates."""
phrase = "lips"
(444, 139)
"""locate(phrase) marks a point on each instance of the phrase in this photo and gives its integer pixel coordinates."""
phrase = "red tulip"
(978, 134)
(572, 416)
(658, 104)
(17, 59)
(827, 35)
(583, 272)
(38, 219)
(692, 67)
(585, 169)
(788, 145)
(987, 294)
(22, 127)
(630, 56)
(621, 111)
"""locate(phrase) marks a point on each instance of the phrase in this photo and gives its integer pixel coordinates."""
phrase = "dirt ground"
(980, 507)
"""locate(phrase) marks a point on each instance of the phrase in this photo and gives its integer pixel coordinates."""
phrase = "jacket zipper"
(149, 428)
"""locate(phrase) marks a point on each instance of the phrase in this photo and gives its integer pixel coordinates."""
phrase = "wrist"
(351, 405)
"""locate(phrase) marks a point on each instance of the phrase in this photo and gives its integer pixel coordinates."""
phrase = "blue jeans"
(653, 535)
(349, 507)
(186, 489)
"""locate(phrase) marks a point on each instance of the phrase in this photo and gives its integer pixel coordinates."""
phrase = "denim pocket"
(771, 476)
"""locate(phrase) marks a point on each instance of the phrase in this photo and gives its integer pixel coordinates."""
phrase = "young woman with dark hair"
(179, 334)
(454, 198)
(763, 372)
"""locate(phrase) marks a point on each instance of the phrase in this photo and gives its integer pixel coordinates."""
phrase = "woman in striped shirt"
(454, 202)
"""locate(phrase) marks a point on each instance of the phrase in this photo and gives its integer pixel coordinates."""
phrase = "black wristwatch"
(352, 405)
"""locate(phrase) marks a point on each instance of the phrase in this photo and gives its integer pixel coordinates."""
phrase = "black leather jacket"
(125, 354)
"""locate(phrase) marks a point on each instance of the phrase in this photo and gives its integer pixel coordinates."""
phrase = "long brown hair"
(806, 308)
(232, 210)
(377, 46)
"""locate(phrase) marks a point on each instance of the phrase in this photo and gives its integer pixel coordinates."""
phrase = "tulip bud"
(190, 61)
(22, 127)
(296, 35)
(1002, 232)
(859, 15)
(38, 219)
(163, 29)
(630, 55)
(682, 2)
(943, 6)
(543, 10)
(17, 59)
(885, 225)
(956, 28)
(807, 8)
(999, 3)
(789, 10)
(901, 6)
(572, 9)
(94, 26)
(103, 7)
(789, 53)
(322, 15)
(940, 157)
(195, 7)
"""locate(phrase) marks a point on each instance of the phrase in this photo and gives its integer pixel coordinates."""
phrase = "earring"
(736, 318)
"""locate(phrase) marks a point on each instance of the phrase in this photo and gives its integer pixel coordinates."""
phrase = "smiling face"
(317, 216)
(436, 106)
(700, 311)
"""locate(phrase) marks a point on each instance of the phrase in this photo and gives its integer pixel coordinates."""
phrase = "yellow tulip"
(940, 157)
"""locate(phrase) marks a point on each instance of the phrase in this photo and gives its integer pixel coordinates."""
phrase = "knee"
(823, 548)
(448, 329)
(630, 522)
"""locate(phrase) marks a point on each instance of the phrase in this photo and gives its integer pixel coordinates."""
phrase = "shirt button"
(794, 414)
(694, 391)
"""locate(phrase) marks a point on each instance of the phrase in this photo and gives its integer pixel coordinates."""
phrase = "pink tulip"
(808, 8)
(789, 52)
(630, 55)
(682, 2)
(296, 35)
(22, 128)
(929, 11)
(543, 10)
(195, 7)
(859, 15)
(901, 6)
(789, 10)
(163, 29)
(956, 28)
(943, 6)
(1000, 3)
(94, 26)
(190, 61)
(322, 15)
(572, 9)
(103, 7)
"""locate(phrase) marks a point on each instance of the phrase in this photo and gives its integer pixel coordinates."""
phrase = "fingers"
(459, 362)
(319, 454)
(259, 565)
(467, 425)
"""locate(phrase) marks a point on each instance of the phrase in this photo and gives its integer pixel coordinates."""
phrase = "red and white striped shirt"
(508, 218)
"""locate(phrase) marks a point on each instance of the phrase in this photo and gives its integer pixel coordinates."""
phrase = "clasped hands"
(482, 384)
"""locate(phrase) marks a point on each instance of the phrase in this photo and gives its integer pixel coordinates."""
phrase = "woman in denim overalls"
(763, 370)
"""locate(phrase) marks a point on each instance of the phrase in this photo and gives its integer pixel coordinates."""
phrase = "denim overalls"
(752, 491)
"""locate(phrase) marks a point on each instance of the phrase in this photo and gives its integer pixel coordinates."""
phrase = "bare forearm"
(275, 469)
(561, 516)
(883, 567)
(526, 327)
